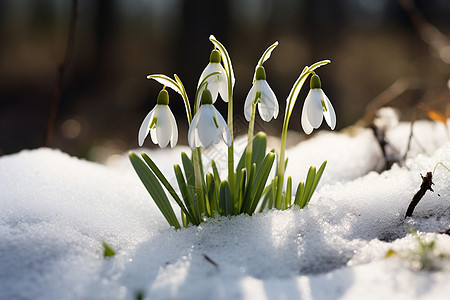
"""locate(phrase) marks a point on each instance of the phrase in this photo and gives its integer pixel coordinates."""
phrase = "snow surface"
(56, 210)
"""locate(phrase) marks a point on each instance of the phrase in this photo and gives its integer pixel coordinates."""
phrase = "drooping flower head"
(262, 95)
(160, 122)
(208, 125)
(217, 84)
(317, 106)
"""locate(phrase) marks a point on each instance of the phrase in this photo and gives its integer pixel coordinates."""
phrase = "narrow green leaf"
(215, 171)
(165, 182)
(259, 148)
(241, 193)
(225, 198)
(188, 168)
(260, 180)
(246, 201)
(273, 193)
(316, 181)
(154, 188)
(187, 196)
(211, 187)
(299, 193)
(216, 181)
(107, 251)
(266, 195)
(184, 220)
(287, 202)
(308, 185)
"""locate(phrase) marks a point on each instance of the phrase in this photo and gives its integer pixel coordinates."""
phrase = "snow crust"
(56, 210)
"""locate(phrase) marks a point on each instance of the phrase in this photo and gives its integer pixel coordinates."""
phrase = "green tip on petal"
(260, 73)
(163, 98)
(206, 97)
(215, 56)
(315, 82)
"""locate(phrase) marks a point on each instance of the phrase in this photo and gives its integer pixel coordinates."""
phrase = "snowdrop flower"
(316, 107)
(262, 94)
(218, 83)
(208, 125)
(160, 122)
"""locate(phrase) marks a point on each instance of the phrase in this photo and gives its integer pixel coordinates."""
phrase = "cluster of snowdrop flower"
(247, 187)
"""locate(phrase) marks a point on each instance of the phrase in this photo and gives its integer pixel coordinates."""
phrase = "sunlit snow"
(56, 210)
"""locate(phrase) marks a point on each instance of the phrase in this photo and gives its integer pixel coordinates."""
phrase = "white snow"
(56, 210)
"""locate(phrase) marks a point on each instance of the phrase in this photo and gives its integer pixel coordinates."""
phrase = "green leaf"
(154, 188)
(308, 185)
(246, 201)
(264, 57)
(211, 188)
(259, 148)
(165, 182)
(107, 251)
(241, 192)
(316, 181)
(188, 168)
(287, 202)
(225, 198)
(260, 180)
(187, 196)
(274, 193)
(184, 221)
(266, 196)
(299, 194)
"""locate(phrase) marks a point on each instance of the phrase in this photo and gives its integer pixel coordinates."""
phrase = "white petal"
(163, 126)
(249, 100)
(143, 130)
(223, 127)
(192, 133)
(213, 81)
(174, 129)
(307, 128)
(153, 136)
(268, 107)
(314, 110)
(330, 115)
(223, 84)
(208, 132)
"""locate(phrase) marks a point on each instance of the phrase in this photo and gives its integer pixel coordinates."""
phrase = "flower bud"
(206, 97)
(260, 73)
(315, 82)
(163, 97)
(215, 56)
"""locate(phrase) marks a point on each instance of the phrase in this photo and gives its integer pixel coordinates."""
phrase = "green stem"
(248, 154)
(231, 177)
(185, 99)
(281, 163)
(198, 182)
(292, 98)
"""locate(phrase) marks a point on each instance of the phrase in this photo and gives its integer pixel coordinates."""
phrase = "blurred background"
(382, 52)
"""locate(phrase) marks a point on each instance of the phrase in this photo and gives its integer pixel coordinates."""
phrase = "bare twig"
(211, 261)
(56, 97)
(426, 185)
